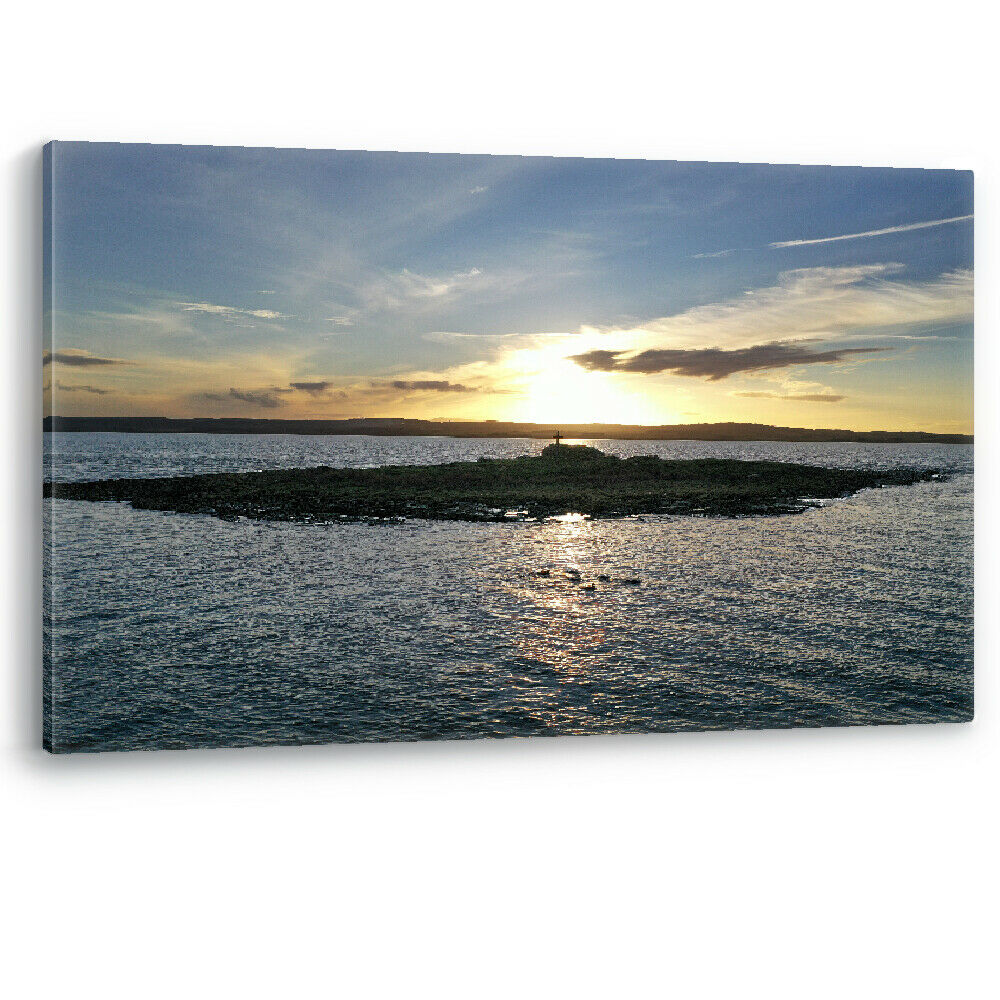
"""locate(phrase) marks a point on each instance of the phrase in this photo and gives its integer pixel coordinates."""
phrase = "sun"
(563, 392)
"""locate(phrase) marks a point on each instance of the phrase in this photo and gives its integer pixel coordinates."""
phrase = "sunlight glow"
(559, 390)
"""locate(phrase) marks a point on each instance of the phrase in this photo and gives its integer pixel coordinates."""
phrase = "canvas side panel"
(47, 454)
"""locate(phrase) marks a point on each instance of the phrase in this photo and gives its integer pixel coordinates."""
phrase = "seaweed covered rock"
(564, 479)
(572, 453)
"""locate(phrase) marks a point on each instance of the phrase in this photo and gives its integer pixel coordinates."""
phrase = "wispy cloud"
(714, 364)
(714, 253)
(448, 336)
(887, 231)
(93, 390)
(813, 302)
(75, 358)
(229, 312)
(908, 227)
(406, 288)
(426, 385)
(801, 397)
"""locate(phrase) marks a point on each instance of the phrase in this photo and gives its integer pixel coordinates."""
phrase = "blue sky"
(220, 281)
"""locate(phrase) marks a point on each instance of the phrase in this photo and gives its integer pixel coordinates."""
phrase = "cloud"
(428, 385)
(448, 336)
(478, 189)
(256, 397)
(782, 244)
(814, 302)
(712, 363)
(806, 316)
(63, 387)
(75, 358)
(313, 388)
(909, 227)
(413, 293)
(270, 398)
(802, 397)
(230, 313)
(410, 285)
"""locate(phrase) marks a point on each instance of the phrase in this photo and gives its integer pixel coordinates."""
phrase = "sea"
(167, 630)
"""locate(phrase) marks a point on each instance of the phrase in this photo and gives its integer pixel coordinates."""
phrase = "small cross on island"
(557, 437)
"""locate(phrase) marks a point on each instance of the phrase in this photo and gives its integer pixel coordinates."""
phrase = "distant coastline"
(407, 427)
(404, 427)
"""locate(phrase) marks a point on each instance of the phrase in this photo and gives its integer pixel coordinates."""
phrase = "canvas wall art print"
(359, 446)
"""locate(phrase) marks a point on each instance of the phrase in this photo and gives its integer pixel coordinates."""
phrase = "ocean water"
(169, 630)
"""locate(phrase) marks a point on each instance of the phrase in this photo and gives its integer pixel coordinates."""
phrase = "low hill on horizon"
(406, 427)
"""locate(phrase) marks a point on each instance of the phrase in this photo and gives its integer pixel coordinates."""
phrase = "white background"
(796, 864)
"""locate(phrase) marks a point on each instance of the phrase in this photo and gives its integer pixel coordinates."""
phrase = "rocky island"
(563, 479)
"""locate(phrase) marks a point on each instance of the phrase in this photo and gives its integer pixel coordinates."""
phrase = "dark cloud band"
(313, 388)
(801, 397)
(92, 389)
(256, 397)
(430, 385)
(81, 360)
(713, 363)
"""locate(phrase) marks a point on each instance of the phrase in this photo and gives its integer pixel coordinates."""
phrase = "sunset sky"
(200, 281)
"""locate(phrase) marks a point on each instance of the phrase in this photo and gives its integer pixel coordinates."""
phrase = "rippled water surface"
(170, 630)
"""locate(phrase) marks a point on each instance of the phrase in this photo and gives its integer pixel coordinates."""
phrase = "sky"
(217, 281)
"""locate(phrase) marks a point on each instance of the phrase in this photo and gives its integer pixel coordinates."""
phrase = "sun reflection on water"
(559, 632)
(568, 518)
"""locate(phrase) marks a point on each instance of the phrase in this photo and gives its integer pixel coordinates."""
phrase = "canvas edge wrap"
(48, 575)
